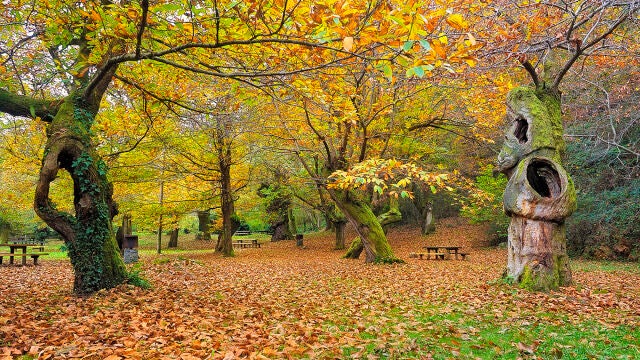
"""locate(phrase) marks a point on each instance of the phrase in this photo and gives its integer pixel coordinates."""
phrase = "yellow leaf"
(457, 21)
(347, 43)
(472, 40)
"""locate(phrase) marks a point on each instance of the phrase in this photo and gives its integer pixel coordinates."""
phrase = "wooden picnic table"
(441, 251)
(24, 254)
(245, 243)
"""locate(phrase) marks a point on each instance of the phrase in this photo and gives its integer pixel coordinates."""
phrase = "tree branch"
(25, 106)
(143, 23)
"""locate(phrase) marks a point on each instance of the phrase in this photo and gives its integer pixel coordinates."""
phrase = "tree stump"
(539, 195)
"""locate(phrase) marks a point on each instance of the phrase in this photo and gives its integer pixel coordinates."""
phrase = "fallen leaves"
(284, 302)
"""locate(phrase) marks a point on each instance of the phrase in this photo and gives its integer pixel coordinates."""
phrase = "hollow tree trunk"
(539, 194)
(89, 235)
(367, 226)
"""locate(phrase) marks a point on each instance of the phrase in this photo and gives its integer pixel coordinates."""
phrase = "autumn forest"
(272, 179)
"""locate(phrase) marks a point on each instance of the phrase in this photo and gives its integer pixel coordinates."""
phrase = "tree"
(540, 194)
(63, 57)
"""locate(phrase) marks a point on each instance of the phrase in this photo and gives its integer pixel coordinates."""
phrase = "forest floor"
(281, 302)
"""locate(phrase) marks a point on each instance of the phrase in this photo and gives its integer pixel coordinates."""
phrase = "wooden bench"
(421, 255)
(33, 255)
(28, 239)
(246, 243)
(437, 256)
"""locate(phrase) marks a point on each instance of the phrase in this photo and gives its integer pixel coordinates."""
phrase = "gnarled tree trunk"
(367, 226)
(89, 235)
(539, 194)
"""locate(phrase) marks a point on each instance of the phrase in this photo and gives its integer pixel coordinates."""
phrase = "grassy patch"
(457, 334)
(606, 266)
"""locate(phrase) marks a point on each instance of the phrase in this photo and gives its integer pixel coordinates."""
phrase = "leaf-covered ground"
(283, 302)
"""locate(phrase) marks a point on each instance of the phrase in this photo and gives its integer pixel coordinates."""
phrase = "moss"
(541, 279)
(542, 108)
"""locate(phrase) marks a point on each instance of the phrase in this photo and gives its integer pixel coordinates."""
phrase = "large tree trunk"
(89, 235)
(539, 194)
(367, 226)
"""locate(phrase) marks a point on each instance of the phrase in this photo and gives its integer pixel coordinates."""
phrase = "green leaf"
(388, 72)
(377, 189)
(419, 71)
(32, 110)
(404, 194)
(425, 45)
(407, 45)
(433, 189)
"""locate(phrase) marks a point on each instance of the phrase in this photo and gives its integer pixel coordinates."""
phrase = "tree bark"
(230, 221)
(539, 194)
(367, 226)
(89, 235)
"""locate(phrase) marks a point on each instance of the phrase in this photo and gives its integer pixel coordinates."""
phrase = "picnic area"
(281, 301)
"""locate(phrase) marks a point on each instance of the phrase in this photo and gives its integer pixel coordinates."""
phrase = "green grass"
(465, 335)
(606, 266)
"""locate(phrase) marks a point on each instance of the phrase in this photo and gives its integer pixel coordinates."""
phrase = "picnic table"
(24, 254)
(246, 243)
(442, 252)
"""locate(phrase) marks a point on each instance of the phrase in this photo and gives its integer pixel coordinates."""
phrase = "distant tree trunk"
(204, 225)
(230, 221)
(293, 226)
(339, 227)
(539, 194)
(173, 238)
(367, 226)
(427, 225)
(4, 232)
(281, 230)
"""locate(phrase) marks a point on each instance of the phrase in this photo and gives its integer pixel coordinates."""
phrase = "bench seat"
(246, 243)
(33, 255)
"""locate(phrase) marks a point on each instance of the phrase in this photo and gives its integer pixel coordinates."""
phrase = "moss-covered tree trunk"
(539, 194)
(88, 235)
(359, 213)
